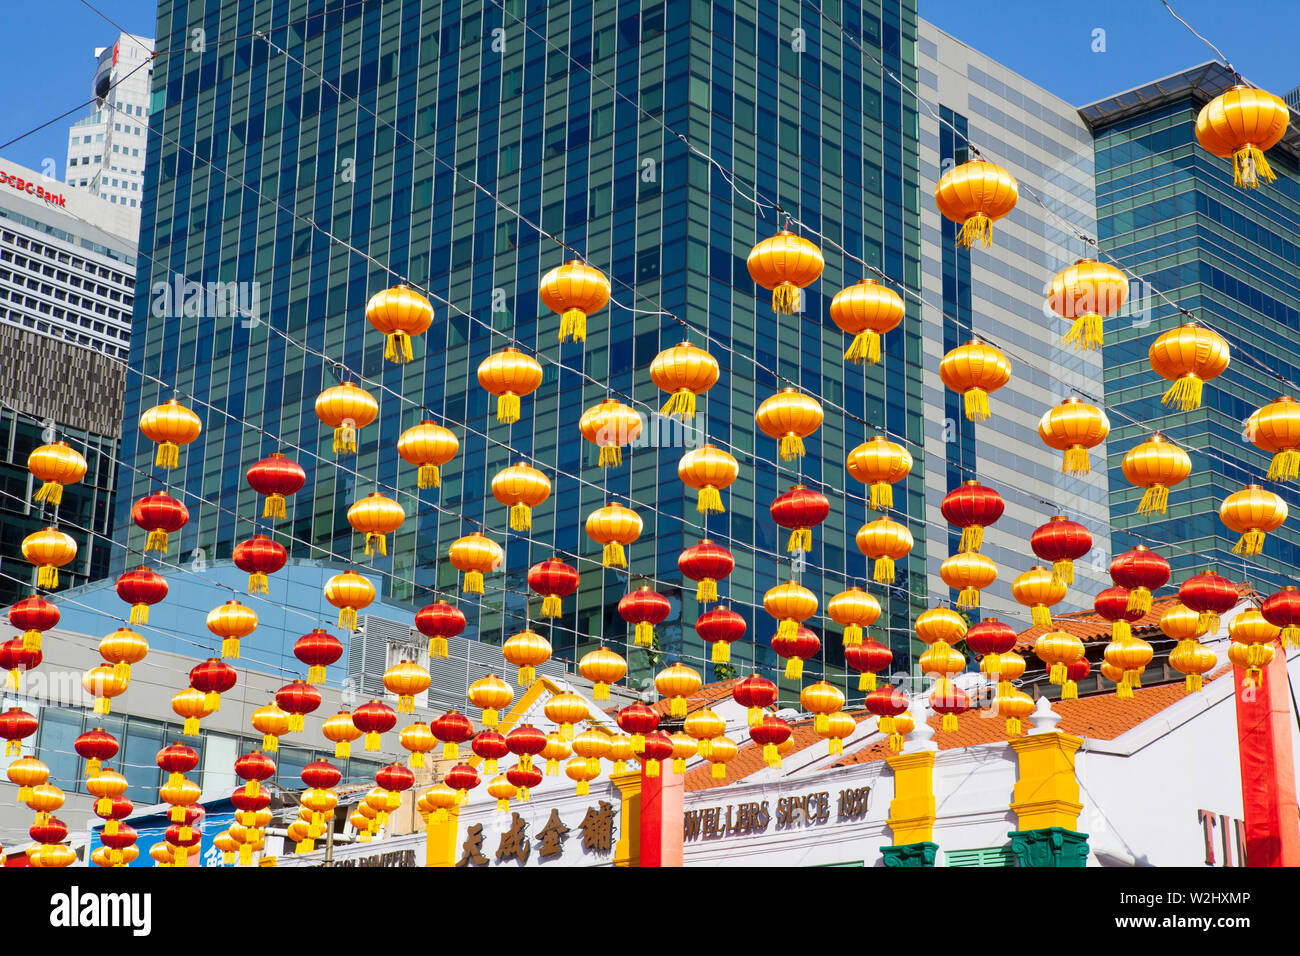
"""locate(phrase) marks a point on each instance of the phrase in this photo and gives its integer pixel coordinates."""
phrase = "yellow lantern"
(26, 773)
(609, 426)
(51, 855)
(879, 463)
(791, 604)
(503, 791)
(1129, 655)
(602, 667)
(509, 375)
(55, 465)
(441, 800)
(1275, 429)
(123, 648)
(722, 750)
(1193, 659)
(1243, 123)
(105, 787)
(407, 680)
(491, 695)
(418, 738)
(615, 527)
(232, 622)
(684, 748)
(839, 725)
(708, 469)
(399, 313)
(620, 752)
(821, 699)
(170, 425)
(867, 311)
(1086, 293)
(341, 731)
(785, 264)
(885, 541)
(1016, 706)
(428, 446)
(853, 610)
(521, 488)
(556, 749)
(347, 409)
(1073, 427)
(1251, 629)
(704, 726)
(475, 555)
(574, 290)
(940, 626)
(1156, 465)
(1189, 356)
(376, 516)
(976, 194)
(942, 660)
(789, 416)
(976, 370)
(968, 572)
(1252, 658)
(1252, 513)
(1038, 589)
(526, 650)
(349, 592)
(192, 705)
(272, 723)
(1058, 650)
(49, 549)
(1004, 668)
(677, 682)
(684, 372)
(103, 683)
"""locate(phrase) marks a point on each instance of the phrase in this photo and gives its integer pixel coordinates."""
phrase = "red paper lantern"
(1078, 670)
(321, 775)
(297, 700)
(800, 510)
(253, 768)
(990, 639)
(214, 677)
(52, 830)
(1209, 595)
(462, 778)
(706, 563)
(1061, 542)
(490, 746)
(755, 693)
(437, 622)
(526, 742)
(176, 759)
(638, 720)
(374, 718)
(720, 627)
(644, 608)
(1142, 571)
(141, 588)
(395, 777)
(796, 648)
(275, 476)
(95, 746)
(160, 515)
(554, 580)
(1115, 605)
(317, 649)
(972, 507)
(16, 658)
(32, 615)
(452, 728)
(259, 556)
(770, 733)
(525, 778)
(250, 802)
(886, 703)
(1283, 610)
(950, 701)
(868, 658)
(656, 748)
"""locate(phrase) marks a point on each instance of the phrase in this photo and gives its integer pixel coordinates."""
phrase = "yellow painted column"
(440, 839)
(1047, 791)
(912, 811)
(627, 850)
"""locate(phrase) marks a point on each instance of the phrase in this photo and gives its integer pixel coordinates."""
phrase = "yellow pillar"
(912, 811)
(440, 839)
(1046, 792)
(627, 851)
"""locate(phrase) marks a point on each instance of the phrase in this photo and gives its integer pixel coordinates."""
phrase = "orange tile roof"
(702, 698)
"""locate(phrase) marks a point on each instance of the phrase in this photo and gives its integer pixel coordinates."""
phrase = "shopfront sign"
(31, 188)
(812, 809)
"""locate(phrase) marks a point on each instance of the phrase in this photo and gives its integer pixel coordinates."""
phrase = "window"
(987, 856)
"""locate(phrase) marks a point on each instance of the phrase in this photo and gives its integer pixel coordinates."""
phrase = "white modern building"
(106, 150)
(1000, 291)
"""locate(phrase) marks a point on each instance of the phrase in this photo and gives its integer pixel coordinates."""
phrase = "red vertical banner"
(662, 803)
(1268, 790)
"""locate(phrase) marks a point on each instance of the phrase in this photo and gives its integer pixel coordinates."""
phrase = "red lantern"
(249, 804)
(214, 677)
(490, 746)
(318, 650)
(374, 718)
(644, 608)
(395, 777)
(254, 767)
(16, 658)
(276, 477)
(1283, 610)
(868, 658)
(972, 507)
(160, 515)
(95, 746)
(754, 693)
(452, 728)
(462, 778)
(437, 622)
(989, 640)
(259, 556)
(720, 627)
(554, 580)
(796, 648)
(32, 615)
(656, 748)
(525, 778)
(297, 700)
(949, 700)
(321, 775)
(175, 760)
(706, 563)
(1209, 595)
(140, 588)
(1061, 542)
(53, 830)
(1075, 671)
(526, 742)
(770, 733)
(639, 720)
(119, 808)
(886, 703)
(1115, 605)
(1142, 571)
(800, 509)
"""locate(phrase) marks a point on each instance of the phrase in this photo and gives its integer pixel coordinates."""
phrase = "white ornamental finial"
(1044, 719)
(921, 737)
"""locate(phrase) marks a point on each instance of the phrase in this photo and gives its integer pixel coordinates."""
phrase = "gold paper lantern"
(609, 426)
(708, 469)
(1189, 356)
(376, 516)
(574, 290)
(614, 527)
(347, 409)
(399, 313)
(1252, 513)
(1073, 427)
(867, 311)
(976, 194)
(968, 572)
(1156, 465)
(785, 263)
(1243, 123)
(428, 446)
(521, 488)
(1086, 293)
(976, 370)
(509, 375)
(880, 463)
(1038, 589)
(789, 416)
(170, 425)
(684, 372)
(885, 541)
(474, 555)
(55, 465)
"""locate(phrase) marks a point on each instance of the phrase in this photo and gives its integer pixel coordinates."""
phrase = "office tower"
(1169, 210)
(106, 148)
(345, 129)
(1001, 292)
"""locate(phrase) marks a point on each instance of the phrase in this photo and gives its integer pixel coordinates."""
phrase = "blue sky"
(46, 71)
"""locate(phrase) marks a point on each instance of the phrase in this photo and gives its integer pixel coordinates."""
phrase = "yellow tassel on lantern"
(450, 751)
(1086, 333)
(1208, 622)
(977, 405)
(787, 628)
(882, 496)
(709, 501)
(14, 680)
(1041, 616)
(398, 348)
(437, 647)
(245, 854)
(785, 298)
(348, 618)
(552, 767)
(230, 647)
(645, 634)
(31, 640)
(316, 674)
(473, 582)
(949, 723)
(270, 742)
(51, 493)
(864, 348)
(297, 722)
(972, 538)
(968, 597)
(600, 691)
(791, 447)
(345, 440)
(652, 768)
(190, 727)
(139, 614)
(978, 228)
(343, 749)
(821, 723)
(719, 771)
(1249, 166)
(1121, 630)
(707, 591)
(521, 517)
(372, 741)
(753, 716)
(375, 544)
(883, 573)
(508, 408)
(794, 668)
(169, 455)
(527, 675)
(1063, 572)
(677, 708)
(48, 577)
(101, 705)
(1076, 462)
(1123, 691)
(1154, 501)
(1250, 543)
(896, 743)
(705, 749)
(489, 765)
(489, 717)
(1290, 636)
(614, 556)
(1057, 674)
(212, 701)
(427, 477)
(274, 507)
(1139, 599)
(800, 540)
(611, 456)
(573, 323)
(721, 653)
(681, 402)
(1070, 691)
(122, 671)
(1285, 466)
(852, 635)
(1013, 726)
(1184, 393)
(551, 606)
(406, 704)
(867, 681)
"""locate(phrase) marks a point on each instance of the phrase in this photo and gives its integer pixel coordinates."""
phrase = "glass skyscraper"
(348, 150)
(1168, 209)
